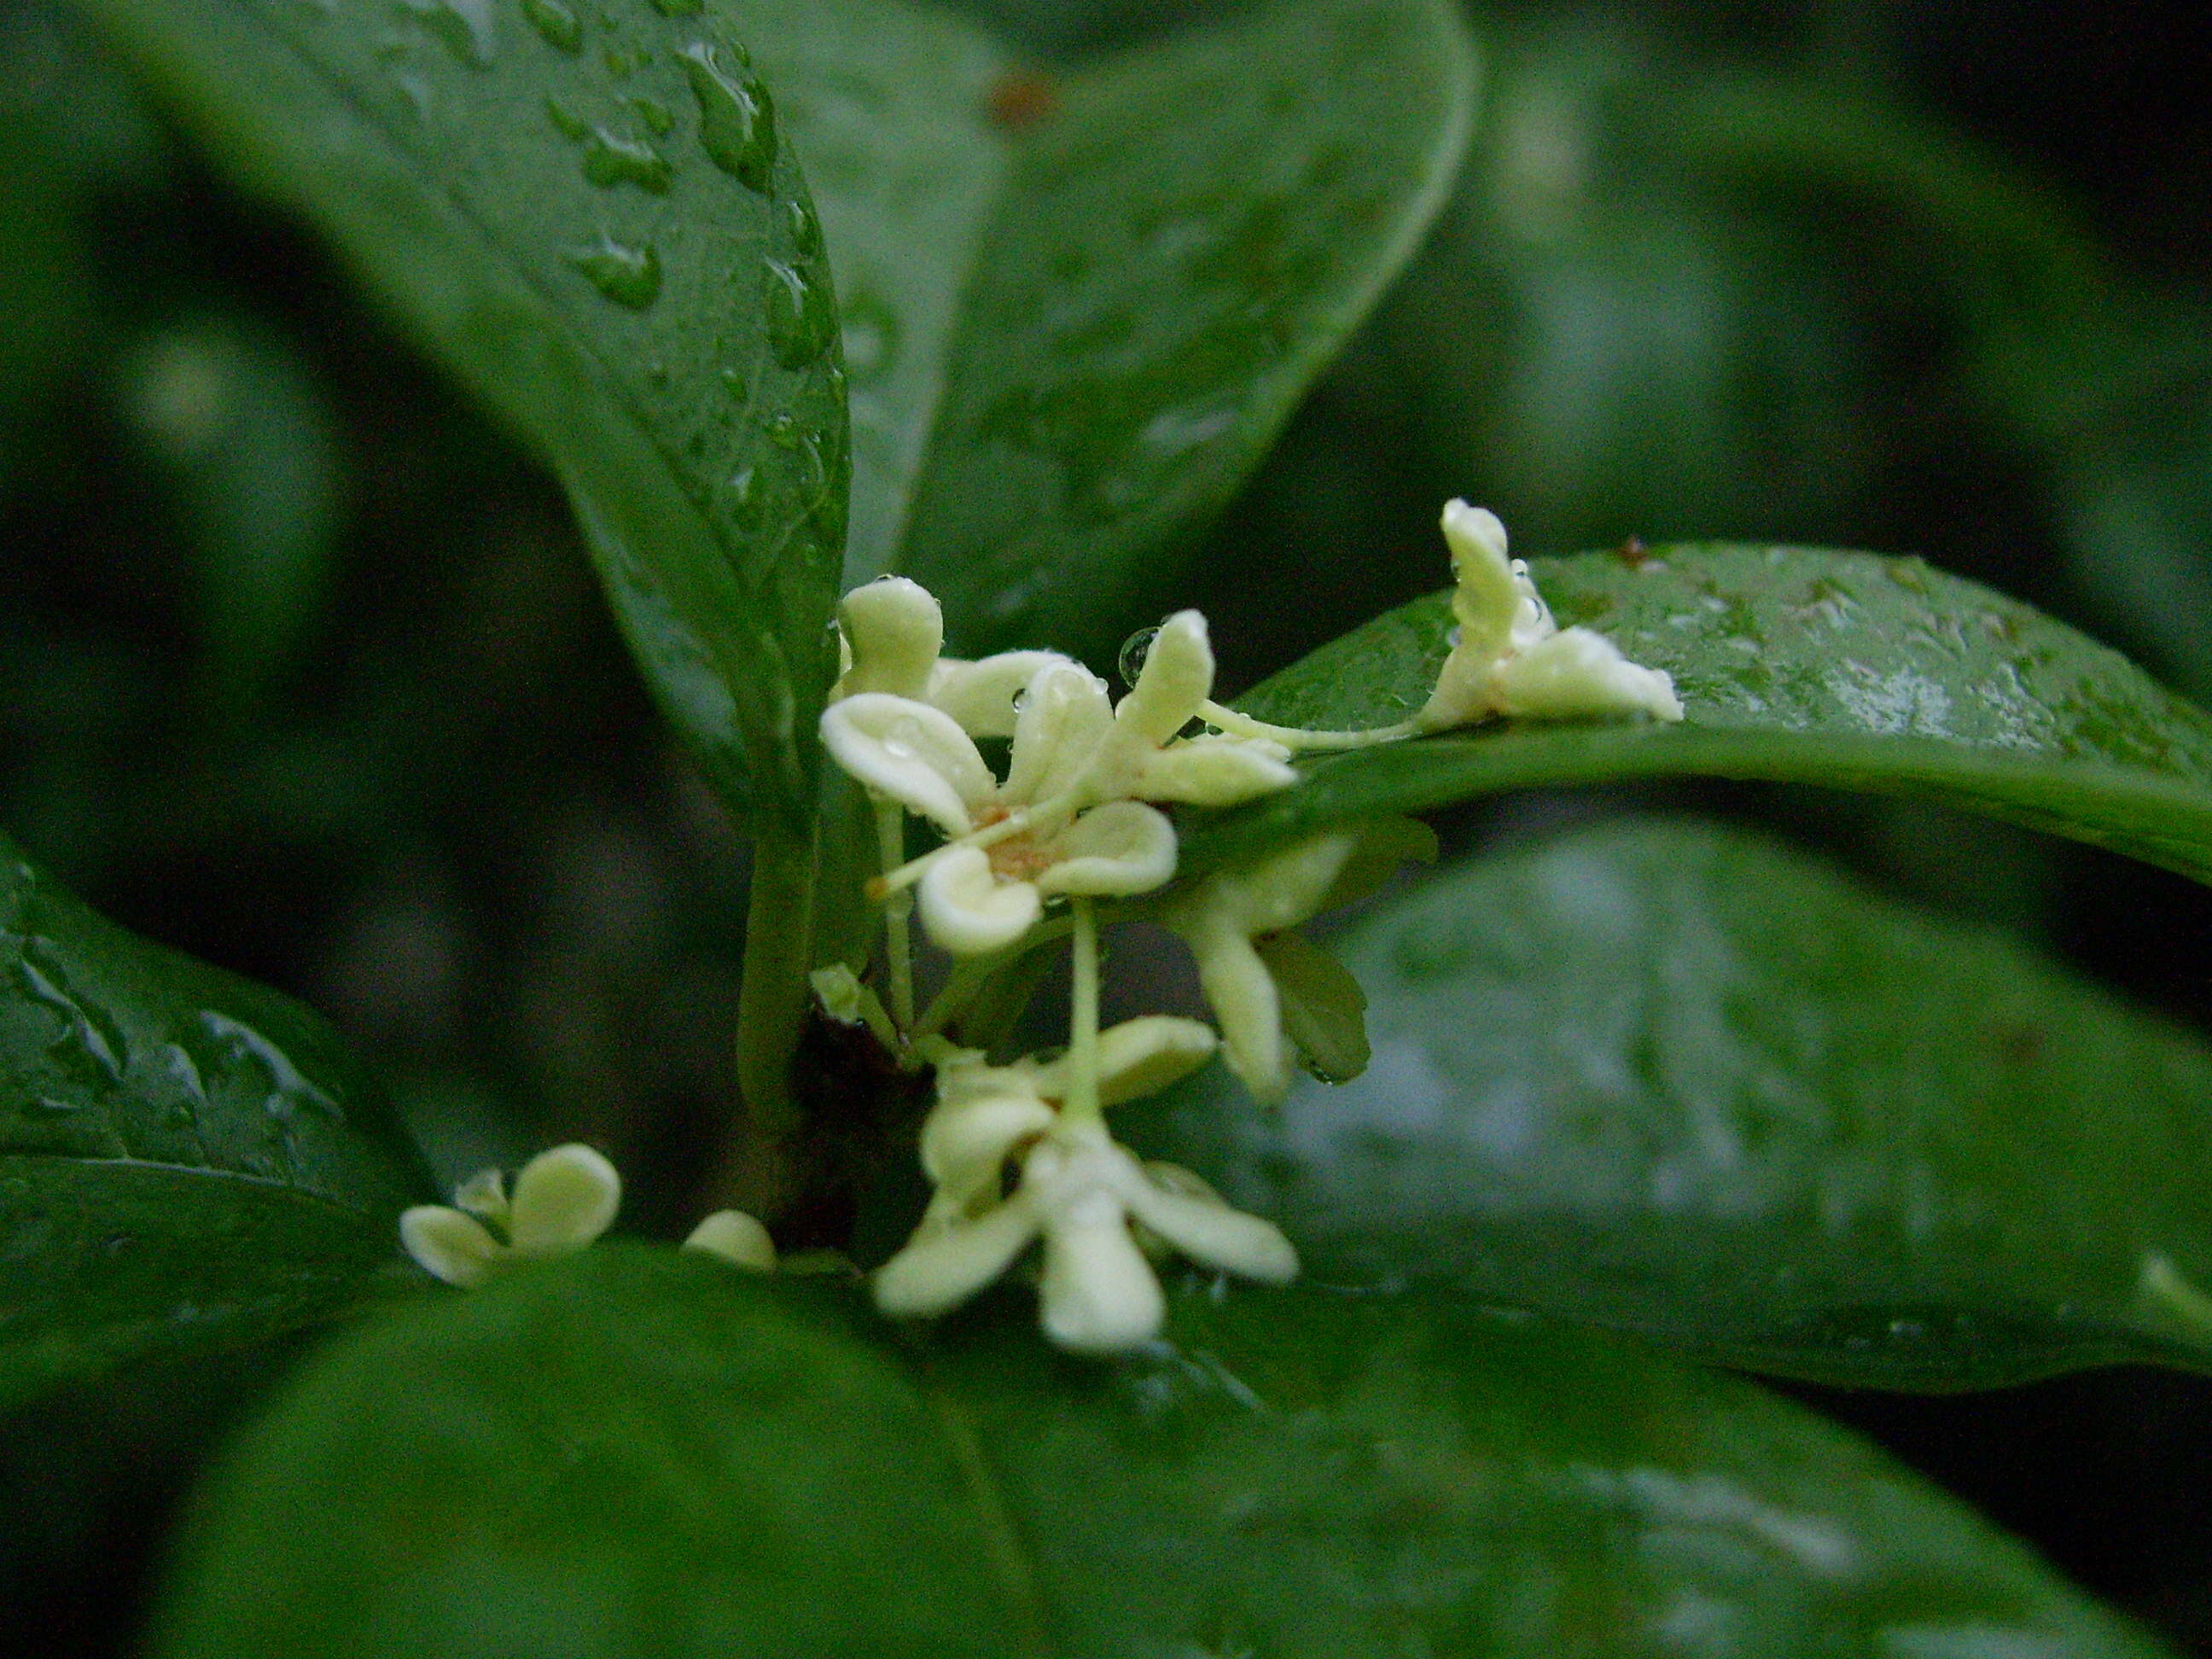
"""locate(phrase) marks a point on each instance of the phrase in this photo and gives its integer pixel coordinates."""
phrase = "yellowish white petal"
(1491, 598)
(1098, 1293)
(1177, 676)
(483, 1195)
(1142, 1056)
(450, 1245)
(981, 694)
(1215, 771)
(942, 1266)
(1117, 849)
(1577, 674)
(967, 910)
(915, 755)
(1065, 714)
(1212, 1234)
(966, 1141)
(895, 629)
(1242, 994)
(737, 1238)
(563, 1199)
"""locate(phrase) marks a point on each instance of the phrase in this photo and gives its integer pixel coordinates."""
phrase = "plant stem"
(772, 1001)
(898, 911)
(1082, 1103)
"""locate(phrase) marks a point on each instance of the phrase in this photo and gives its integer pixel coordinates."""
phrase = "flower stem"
(772, 997)
(1082, 1103)
(898, 911)
(1295, 736)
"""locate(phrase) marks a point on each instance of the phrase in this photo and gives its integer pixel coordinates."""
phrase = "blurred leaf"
(631, 1454)
(589, 215)
(250, 443)
(1841, 669)
(1077, 307)
(187, 1161)
(1673, 1078)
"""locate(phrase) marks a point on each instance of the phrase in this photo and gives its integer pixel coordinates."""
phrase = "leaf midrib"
(211, 1172)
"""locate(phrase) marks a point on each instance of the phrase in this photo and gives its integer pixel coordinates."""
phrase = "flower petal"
(1142, 1056)
(1121, 847)
(1211, 1234)
(1177, 676)
(1487, 599)
(1242, 994)
(483, 1195)
(563, 1199)
(917, 756)
(1064, 714)
(894, 628)
(449, 1245)
(737, 1238)
(981, 694)
(942, 1266)
(967, 908)
(1579, 673)
(965, 1143)
(1098, 1293)
(1215, 771)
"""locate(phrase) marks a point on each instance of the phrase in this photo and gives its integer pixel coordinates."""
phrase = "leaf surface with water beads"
(188, 1161)
(1675, 1078)
(1796, 664)
(587, 211)
(637, 1452)
(1078, 304)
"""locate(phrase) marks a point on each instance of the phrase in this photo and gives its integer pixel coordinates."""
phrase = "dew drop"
(679, 8)
(53, 1106)
(610, 159)
(1134, 650)
(802, 314)
(803, 225)
(783, 430)
(87, 1034)
(736, 122)
(556, 24)
(565, 122)
(289, 1087)
(465, 27)
(744, 498)
(629, 276)
(655, 114)
(621, 64)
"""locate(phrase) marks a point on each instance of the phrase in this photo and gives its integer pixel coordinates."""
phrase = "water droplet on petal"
(801, 314)
(612, 158)
(556, 24)
(629, 276)
(736, 122)
(1134, 650)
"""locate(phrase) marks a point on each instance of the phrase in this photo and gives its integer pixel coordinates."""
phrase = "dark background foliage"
(302, 670)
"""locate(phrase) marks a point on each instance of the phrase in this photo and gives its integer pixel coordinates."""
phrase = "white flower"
(737, 1238)
(563, 1199)
(1511, 658)
(1080, 1194)
(1236, 922)
(1090, 1201)
(891, 630)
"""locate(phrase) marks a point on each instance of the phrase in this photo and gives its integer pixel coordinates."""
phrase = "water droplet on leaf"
(801, 314)
(612, 158)
(736, 122)
(466, 28)
(679, 8)
(654, 113)
(565, 122)
(556, 24)
(803, 225)
(629, 276)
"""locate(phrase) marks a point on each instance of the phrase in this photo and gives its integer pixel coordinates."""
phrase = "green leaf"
(633, 1453)
(1675, 1078)
(188, 1161)
(589, 215)
(1077, 307)
(1842, 669)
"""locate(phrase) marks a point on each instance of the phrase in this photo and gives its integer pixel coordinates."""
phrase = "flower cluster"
(1017, 1153)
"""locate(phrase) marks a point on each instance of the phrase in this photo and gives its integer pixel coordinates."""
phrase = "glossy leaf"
(1842, 669)
(1673, 1078)
(588, 214)
(634, 1453)
(1078, 306)
(188, 1161)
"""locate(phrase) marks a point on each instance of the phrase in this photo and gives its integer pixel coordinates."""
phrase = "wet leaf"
(633, 1453)
(1078, 306)
(1842, 669)
(590, 216)
(1675, 1078)
(187, 1161)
